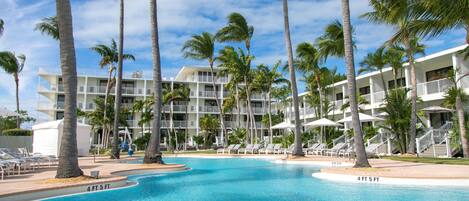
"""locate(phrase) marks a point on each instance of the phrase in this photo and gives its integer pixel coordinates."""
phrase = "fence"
(16, 142)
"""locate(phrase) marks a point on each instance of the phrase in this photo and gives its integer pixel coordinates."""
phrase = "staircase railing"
(383, 137)
(434, 136)
(340, 139)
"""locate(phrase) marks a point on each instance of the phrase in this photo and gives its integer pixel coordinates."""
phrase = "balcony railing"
(378, 97)
(367, 97)
(176, 108)
(433, 87)
(208, 94)
(208, 109)
(209, 79)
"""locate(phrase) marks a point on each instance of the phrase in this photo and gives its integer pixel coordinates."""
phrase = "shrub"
(17, 132)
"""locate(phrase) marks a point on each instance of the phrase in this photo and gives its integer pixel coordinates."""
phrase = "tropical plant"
(184, 95)
(266, 80)
(298, 150)
(331, 42)
(49, 26)
(238, 136)
(237, 30)
(2, 27)
(455, 98)
(361, 101)
(398, 13)
(398, 106)
(202, 47)
(68, 154)
(198, 140)
(375, 62)
(153, 152)
(362, 160)
(145, 108)
(13, 65)
(7, 123)
(209, 126)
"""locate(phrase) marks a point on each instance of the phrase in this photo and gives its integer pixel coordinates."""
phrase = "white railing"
(367, 97)
(208, 109)
(202, 78)
(309, 111)
(340, 139)
(432, 137)
(257, 96)
(378, 97)
(209, 94)
(132, 123)
(432, 87)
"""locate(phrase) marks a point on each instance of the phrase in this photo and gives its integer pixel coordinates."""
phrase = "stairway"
(436, 150)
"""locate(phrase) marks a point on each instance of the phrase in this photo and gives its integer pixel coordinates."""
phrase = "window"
(127, 100)
(438, 73)
(364, 90)
(339, 96)
(400, 83)
(59, 115)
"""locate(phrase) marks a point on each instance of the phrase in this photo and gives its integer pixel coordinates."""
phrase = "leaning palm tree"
(298, 151)
(115, 152)
(13, 65)
(2, 28)
(68, 155)
(49, 26)
(202, 47)
(153, 153)
(398, 13)
(109, 57)
(375, 62)
(362, 160)
(237, 30)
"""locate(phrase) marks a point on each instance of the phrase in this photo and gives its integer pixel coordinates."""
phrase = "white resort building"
(432, 83)
(202, 99)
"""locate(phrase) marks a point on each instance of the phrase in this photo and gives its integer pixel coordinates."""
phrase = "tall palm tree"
(237, 30)
(437, 17)
(2, 28)
(153, 153)
(68, 155)
(145, 108)
(298, 151)
(120, 56)
(375, 62)
(398, 13)
(201, 47)
(394, 57)
(109, 57)
(13, 65)
(49, 26)
(184, 95)
(362, 160)
(331, 42)
(267, 78)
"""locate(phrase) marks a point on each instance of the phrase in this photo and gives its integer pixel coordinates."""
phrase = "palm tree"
(375, 62)
(184, 95)
(398, 106)
(68, 155)
(237, 30)
(398, 13)
(267, 79)
(331, 43)
(49, 26)
(115, 138)
(145, 108)
(109, 57)
(362, 160)
(394, 57)
(153, 153)
(13, 65)
(2, 28)
(201, 47)
(298, 151)
(455, 98)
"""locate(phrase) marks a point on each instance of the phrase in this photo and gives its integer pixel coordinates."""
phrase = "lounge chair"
(265, 149)
(6, 168)
(335, 150)
(277, 149)
(234, 149)
(245, 149)
(346, 152)
(312, 147)
(371, 150)
(222, 150)
(318, 150)
(254, 148)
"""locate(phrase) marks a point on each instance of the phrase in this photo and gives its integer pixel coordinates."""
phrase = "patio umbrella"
(283, 125)
(363, 118)
(322, 122)
(7, 113)
(436, 109)
(382, 114)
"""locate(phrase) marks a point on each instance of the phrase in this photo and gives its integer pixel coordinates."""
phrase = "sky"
(97, 21)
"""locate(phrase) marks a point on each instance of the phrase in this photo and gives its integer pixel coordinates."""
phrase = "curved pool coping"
(362, 179)
(121, 181)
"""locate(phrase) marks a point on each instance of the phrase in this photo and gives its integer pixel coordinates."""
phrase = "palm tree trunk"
(413, 95)
(222, 115)
(238, 106)
(362, 160)
(187, 126)
(68, 155)
(115, 137)
(270, 116)
(462, 127)
(298, 151)
(153, 153)
(106, 97)
(384, 82)
(18, 122)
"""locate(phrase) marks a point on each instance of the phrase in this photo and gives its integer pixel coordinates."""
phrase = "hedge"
(17, 132)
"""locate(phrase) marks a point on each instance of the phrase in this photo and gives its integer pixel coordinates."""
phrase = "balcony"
(210, 78)
(367, 97)
(378, 97)
(208, 94)
(208, 109)
(433, 87)
(177, 124)
(176, 108)
(46, 105)
(51, 88)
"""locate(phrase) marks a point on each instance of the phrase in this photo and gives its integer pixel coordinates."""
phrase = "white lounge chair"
(248, 147)
(222, 150)
(234, 149)
(335, 150)
(254, 148)
(266, 149)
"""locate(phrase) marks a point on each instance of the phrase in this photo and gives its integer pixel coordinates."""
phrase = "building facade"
(186, 114)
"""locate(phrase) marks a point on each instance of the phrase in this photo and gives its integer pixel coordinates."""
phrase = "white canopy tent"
(47, 137)
(322, 122)
(284, 125)
(363, 118)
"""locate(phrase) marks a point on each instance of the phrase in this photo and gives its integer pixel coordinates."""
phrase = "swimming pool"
(257, 179)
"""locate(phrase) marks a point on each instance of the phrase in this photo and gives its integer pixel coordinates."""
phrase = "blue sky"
(96, 21)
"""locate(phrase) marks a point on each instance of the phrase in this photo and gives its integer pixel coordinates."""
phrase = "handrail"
(433, 136)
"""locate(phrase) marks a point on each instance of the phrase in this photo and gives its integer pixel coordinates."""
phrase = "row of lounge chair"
(20, 160)
(255, 149)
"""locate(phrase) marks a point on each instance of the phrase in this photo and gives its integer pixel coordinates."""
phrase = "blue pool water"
(255, 179)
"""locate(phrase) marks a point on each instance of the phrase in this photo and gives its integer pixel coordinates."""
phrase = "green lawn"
(449, 161)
